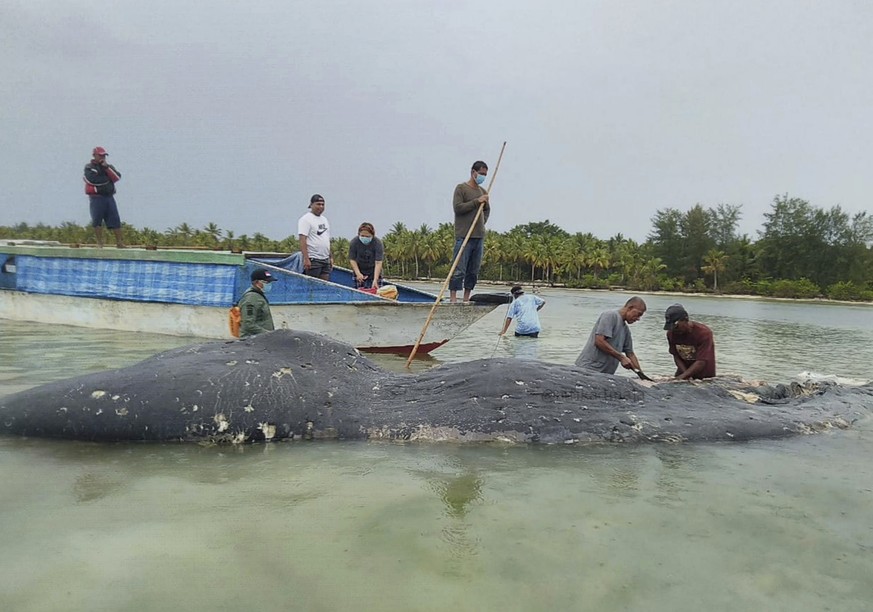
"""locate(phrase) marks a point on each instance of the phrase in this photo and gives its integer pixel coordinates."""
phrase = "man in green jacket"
(254, 308)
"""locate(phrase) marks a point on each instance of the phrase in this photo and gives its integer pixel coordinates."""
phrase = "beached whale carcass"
(299, 385)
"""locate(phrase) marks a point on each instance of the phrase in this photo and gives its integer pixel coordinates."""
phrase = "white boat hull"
(374, 326)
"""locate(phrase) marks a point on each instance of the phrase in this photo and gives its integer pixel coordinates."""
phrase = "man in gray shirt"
(610, 342)
(468, 198)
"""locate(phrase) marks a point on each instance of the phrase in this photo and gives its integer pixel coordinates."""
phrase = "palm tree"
(228, 240)
(416, 240)
(398, 247)
(150, 236)
(536, 254)
(212, 234)
(571, 256)
(554, 255)
(493, 253)
(431, 251)
(184, 231)
(597, 259)
(261, 242)
(339, 250)
(715, 261)
(515, 246)
(650, 272)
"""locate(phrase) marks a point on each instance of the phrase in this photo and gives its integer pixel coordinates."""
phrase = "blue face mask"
(365, 239)
(267, 288)
(480, 178)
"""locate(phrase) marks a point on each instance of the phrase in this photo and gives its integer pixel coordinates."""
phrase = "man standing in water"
(469, 197)
(524, 310)
(610, 342)
(314, 232)
(100, 178)
(691, 344)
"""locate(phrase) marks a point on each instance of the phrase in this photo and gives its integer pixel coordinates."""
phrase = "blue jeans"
(467, 272)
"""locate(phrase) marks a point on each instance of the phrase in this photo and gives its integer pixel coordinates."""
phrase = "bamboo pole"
(457, 259)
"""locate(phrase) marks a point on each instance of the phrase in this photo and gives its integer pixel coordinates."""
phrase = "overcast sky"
(237, 112)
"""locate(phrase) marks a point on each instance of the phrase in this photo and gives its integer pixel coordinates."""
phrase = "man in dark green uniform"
(254, 308)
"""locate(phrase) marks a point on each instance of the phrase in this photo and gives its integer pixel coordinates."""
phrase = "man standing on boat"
(254, 309)
(100, 178)
(469, 197)
(610, 342)
(690, 343)
(314, 231)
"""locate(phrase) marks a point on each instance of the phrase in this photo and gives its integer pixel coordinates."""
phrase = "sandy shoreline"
(734, 296)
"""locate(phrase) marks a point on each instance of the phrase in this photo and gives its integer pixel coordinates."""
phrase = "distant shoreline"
(734, 296)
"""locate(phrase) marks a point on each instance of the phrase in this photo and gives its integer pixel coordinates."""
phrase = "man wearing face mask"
(365, 256)
(469, 197)
(255, 316)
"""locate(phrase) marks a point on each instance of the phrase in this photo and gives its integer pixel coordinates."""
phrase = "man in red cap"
(100, 178)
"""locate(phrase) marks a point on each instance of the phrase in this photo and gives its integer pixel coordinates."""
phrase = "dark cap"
(516, 290)
(262, 275)
(99, 151)
(316, 198)
(674, 313)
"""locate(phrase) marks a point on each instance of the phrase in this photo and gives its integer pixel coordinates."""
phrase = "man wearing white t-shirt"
(314, 231)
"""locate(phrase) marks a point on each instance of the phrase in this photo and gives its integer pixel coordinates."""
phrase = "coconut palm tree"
(716, 261)
(228, 240)
(515, 245)
(536, 254)
(184, 232)
(431, 251)
(650, 272)
(212, 234)
(597, 259)
(493, 254)
(416, 241)
(339, 250)
(262, 243)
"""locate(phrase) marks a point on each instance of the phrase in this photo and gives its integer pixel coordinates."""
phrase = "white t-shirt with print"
(317, 232)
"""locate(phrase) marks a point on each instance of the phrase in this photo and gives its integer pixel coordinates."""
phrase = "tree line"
(802, 251)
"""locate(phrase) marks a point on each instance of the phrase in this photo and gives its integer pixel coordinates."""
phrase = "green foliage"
(744, 286)
(825, 246)
(798, 289)
(590, 281)
(849, 291)
(669, 284)
(801, 248)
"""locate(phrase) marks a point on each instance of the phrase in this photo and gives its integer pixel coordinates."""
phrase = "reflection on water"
(371, 526)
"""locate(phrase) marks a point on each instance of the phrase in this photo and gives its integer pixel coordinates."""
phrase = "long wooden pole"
(457, 259)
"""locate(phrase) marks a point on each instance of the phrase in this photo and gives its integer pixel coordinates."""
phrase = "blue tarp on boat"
(141, 281)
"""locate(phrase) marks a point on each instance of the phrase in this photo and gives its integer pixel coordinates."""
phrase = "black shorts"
(319, 268)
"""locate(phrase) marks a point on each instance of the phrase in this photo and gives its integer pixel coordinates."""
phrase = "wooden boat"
(188, 293)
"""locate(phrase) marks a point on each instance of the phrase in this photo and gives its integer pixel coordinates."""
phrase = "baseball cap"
(263, 275)
(674, 313)
(99, 151)
(316, 198)
(516, 290)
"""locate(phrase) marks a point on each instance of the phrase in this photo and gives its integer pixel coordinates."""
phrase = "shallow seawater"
(768, 525)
